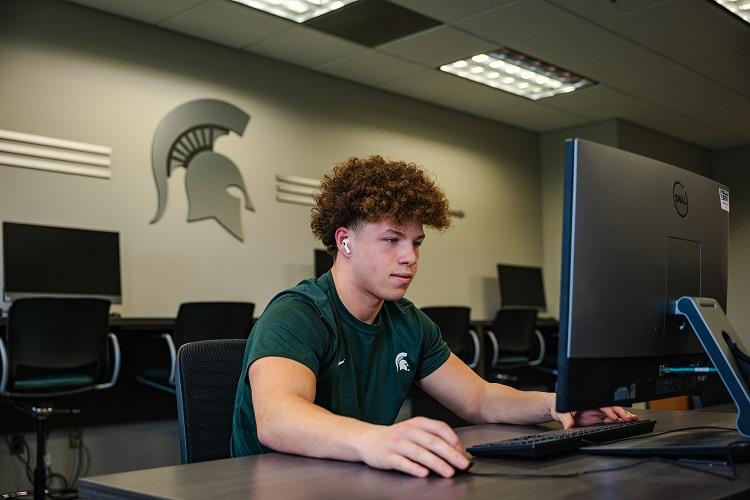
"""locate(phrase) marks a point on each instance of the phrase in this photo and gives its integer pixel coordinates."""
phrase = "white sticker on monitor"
(724, 199)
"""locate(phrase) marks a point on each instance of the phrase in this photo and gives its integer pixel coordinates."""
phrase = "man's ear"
(343, 243)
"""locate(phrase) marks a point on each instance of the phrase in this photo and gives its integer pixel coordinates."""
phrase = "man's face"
(384, 257)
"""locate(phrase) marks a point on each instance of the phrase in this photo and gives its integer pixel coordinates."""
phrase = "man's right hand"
(414, 446)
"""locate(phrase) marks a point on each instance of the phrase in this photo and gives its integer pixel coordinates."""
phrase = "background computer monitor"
(637, 234)
(323, 262)
(60, 262)
(521, 287)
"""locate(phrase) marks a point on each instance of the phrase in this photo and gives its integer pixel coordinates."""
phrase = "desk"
(276, 475)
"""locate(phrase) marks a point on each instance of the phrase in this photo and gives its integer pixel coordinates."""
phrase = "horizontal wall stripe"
(296, 199)
(18, 149)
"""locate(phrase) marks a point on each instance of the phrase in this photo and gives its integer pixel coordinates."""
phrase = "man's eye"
(391, 240)
(418, 243)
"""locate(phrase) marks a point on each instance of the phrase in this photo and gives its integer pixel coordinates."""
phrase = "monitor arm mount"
(725, 348)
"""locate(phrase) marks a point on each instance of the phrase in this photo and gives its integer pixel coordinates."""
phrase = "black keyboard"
(560, 441)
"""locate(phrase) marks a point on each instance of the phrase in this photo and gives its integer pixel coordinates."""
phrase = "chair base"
(60, 494)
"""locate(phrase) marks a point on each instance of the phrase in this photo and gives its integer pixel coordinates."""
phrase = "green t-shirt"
(362, 371)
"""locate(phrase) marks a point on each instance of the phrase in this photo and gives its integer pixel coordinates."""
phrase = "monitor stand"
(729, 355)
(726, 349)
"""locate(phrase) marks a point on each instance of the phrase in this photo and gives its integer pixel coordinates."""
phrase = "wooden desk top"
(287, 477)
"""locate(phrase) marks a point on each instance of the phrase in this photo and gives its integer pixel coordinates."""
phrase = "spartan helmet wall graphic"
(185, 138)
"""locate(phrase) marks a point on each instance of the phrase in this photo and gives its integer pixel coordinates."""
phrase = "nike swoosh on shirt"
(342, 361)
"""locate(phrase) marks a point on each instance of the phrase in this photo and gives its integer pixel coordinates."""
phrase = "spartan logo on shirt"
(401, 363)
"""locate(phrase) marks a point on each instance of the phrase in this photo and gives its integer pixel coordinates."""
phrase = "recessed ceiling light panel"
(740, 8)
(512, 71)
(296, 10)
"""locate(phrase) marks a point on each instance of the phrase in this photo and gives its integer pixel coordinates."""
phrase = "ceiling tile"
(480, 100)
(596, 103)
(732, 70)
(227, 23)
(581, 42)
(511, 24)
(429, 84)
(679, 67)
(666, 20)
(620, 65)
(143, 10)
(721, 52)
(598, 10)
(537, 117)
(372, 22)
(305, 46)
(698, 45)
(692, 95)
(370, 67)
(451, 10)
(437, 46)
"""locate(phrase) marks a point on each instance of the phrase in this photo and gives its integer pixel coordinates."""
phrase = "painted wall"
(552, 157)
(87, 76)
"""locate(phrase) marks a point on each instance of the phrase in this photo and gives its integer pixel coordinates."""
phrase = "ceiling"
(681, 67)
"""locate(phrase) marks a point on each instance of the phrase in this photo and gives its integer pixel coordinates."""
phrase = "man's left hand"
(582, 418)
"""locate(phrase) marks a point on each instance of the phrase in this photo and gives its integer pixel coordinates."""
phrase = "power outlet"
(17, 444)
(75, 438)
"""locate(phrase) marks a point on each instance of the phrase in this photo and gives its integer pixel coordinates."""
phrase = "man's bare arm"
(477, 401)
(288, 420)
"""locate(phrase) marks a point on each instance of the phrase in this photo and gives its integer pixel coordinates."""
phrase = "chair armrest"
(4, 361)
(116, 368)
(495, 346)
(477, 346)
(172, 354)
(542, 349)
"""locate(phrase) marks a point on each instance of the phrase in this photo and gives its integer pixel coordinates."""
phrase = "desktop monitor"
(323, 262)
(60, 262)
(521, 287)
(637, 235)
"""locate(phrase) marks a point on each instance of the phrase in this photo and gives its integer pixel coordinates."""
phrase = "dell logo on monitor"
(680, 198)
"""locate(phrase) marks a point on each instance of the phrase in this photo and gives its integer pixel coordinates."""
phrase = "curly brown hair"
(372, 189)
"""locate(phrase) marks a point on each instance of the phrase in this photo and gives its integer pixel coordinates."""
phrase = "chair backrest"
(213, 320)
(514, 329)
(206, 383)
(453, 322)
(52, 336)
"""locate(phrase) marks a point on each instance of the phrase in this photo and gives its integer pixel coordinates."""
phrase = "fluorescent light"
(514, 72)
(296, 10)
(740, 8)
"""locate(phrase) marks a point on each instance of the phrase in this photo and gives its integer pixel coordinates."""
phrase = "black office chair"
(515, 344)
(463, 341)
(453, 322)
(207, 376)
(199, 321)
(55, 347)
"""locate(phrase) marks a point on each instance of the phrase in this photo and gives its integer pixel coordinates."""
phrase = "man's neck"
(361, 304)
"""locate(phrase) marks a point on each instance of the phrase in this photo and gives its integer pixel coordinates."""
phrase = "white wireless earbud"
(345, 243)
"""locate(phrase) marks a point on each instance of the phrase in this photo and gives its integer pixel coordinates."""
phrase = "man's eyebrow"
(402, 234)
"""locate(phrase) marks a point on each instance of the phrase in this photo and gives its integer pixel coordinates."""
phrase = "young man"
(330, 361)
